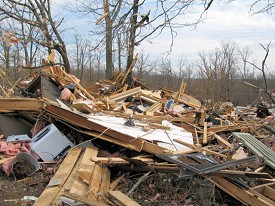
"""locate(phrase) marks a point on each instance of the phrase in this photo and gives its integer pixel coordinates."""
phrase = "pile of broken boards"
(112, 126)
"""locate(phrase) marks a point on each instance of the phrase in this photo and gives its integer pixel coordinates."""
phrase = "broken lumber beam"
(222, 140)
(83, 200)
(119, 96)
(69, 182)
(245, 195)
(240, 174)
(99, 182)
(119, 161)
(64, 171)
(121, 199)
(21, 104)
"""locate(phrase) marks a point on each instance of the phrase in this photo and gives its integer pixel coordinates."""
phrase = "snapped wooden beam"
(50, 193)
(245, 195)
(119, 161)
(221, 140)
(99, 182)
(83, 200)
(240, 174)
(21, 104)
(121, 199)
(119, 96)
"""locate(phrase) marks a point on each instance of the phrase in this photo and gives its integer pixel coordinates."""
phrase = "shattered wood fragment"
(147, 98)
(84, 108)
(121, 199)
(5, 93)
(50, 193)
(105, 185)
(203, 149)
(4, 77)
(80, 185)
(116, 182)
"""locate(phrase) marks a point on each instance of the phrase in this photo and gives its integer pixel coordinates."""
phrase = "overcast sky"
(225, 22)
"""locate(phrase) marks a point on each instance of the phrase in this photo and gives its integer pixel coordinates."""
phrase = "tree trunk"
(109, 41)
(131, 45)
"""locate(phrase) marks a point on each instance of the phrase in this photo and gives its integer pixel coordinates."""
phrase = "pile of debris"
(100, 136)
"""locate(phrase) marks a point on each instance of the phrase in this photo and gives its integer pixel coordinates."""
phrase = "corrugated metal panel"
(257, 147)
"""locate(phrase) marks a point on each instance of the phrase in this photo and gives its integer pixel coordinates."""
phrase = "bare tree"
(137, 22)
(37, 14)
(263, 71)
(245, 54)
(218, 69)
(262, 6)
(82, 55)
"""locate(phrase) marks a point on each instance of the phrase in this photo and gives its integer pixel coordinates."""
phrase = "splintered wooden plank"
(65, 169)
(68, 184)
(19, 104)
(95, 182)
(80, 185)
(105, 185)
(99, 183)
(121, 199)
(115, 183)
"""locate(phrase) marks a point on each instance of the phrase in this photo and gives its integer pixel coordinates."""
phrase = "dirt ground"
(12, 190)
(156, 190)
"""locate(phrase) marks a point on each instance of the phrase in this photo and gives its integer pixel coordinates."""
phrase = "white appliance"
(50, 143)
